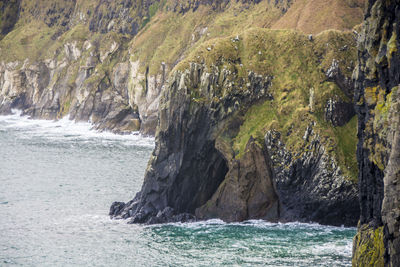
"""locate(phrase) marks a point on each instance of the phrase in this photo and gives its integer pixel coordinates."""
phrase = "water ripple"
(59, 178)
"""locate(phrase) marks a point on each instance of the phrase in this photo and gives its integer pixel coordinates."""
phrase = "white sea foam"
(342, 248)
(68, 130)
(262, 224)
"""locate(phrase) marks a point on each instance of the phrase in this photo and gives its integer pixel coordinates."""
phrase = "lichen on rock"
(377, 79)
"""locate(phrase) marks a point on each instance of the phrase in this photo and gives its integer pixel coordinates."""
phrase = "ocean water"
(58, 179)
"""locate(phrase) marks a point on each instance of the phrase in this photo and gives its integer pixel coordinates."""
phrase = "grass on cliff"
(297, 66)
(295, 63)
(314, 16)
(168, 37)
(31, 41)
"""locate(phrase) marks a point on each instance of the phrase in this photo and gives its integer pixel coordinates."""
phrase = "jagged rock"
(310, 186)
(168, 215)
(391, 200)
(145, 92)
(35, 89)
(248, 191)
(338, 112)
(186, 167)
(116, 207)
(377, 76)
(334, 74)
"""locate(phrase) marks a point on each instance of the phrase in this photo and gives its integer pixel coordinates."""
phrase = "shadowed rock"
(248, 191)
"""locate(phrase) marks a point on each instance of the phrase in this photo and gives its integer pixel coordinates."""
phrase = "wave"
(259, 224)
(67, 130)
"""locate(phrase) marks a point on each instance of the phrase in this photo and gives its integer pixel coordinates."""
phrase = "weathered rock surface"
(391, 200)
(84, 69)
(186, 168)
(339, 112)
(53, 89)
(334, 74)
(248, 191)
(108, 62)
(195, 171)
(377, 77)
(310, 185)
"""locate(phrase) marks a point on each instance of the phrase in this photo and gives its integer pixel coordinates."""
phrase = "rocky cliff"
(377, 78)
(251, 122)
(242, 135)
(72, 57)
(108, 61)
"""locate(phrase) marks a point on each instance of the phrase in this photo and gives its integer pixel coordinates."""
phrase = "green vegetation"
(296, 65)
(392, 46)
(313, 16)
(369, 248)
(346, 138)
(169, 36)
(30, 41)
(8, 16)
(380, 125)
(236, 40)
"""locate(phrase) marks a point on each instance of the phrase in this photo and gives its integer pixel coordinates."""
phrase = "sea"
(59, 178)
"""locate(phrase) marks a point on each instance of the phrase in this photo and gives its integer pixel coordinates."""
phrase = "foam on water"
(66, 130)
(262, 224)
(60, 177)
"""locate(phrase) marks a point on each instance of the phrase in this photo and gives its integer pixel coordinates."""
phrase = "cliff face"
(76, 57)
(377, 78)
(188, 165)
(239, 138)
(252, 123)
(71, 57)
(70, 85)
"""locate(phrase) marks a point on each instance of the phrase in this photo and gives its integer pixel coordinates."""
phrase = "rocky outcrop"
(334, 74)
(248, 191)
(391, 200)
(338, 111)
(198, 170)
(90, 50)
(187, 169)
(109, 62)
(82, 75)
(119, 16)
(310, 184)
(377, 77)
(145, 91)
(54, 88)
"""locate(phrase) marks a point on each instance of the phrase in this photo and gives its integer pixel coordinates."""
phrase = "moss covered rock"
(368, 247)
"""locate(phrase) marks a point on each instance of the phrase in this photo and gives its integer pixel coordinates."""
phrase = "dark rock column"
(391, 201)
(377, 76)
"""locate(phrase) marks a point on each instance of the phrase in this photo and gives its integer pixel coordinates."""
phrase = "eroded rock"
(248, 190)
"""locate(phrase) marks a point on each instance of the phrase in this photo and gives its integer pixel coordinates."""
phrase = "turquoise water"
(58, 180)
